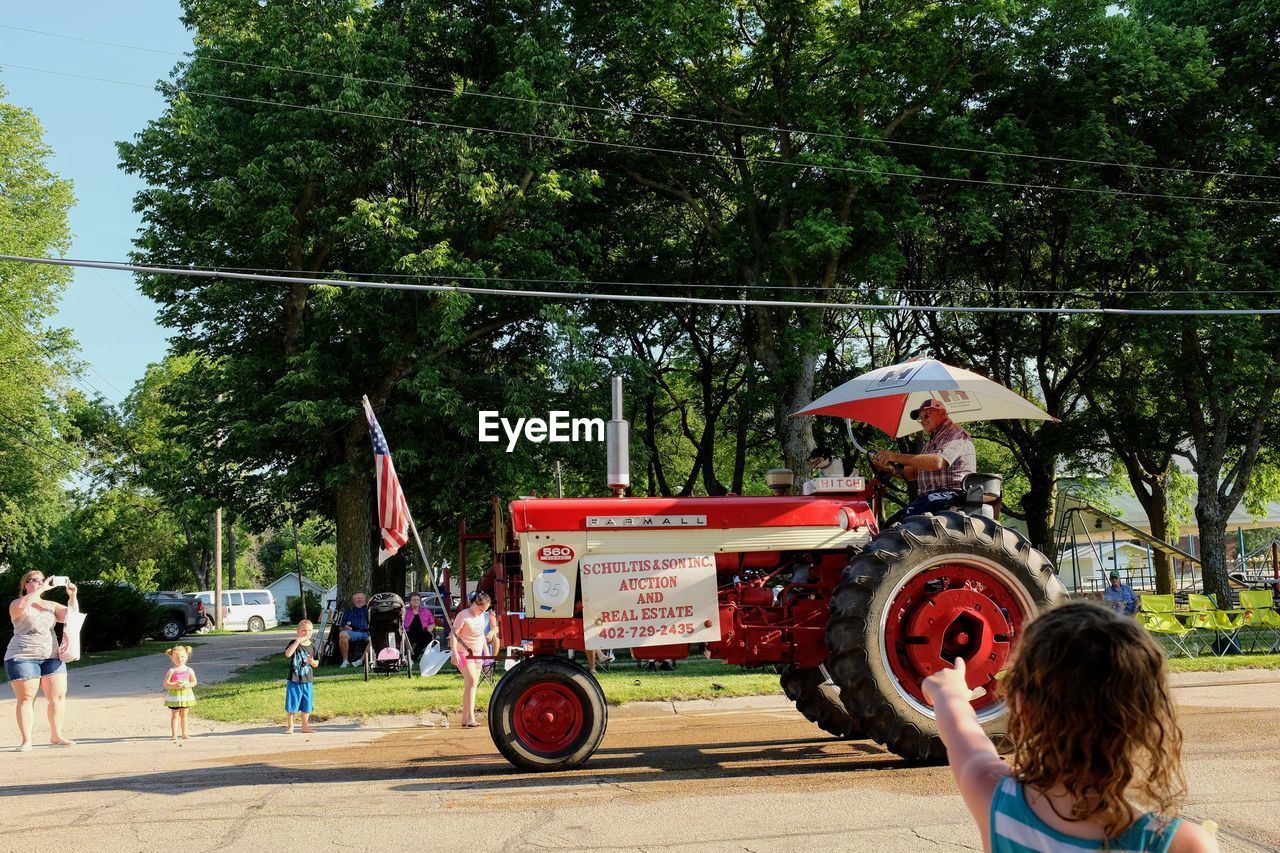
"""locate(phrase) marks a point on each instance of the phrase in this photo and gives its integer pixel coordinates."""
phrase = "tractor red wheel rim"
(549, 717)
(954, 610)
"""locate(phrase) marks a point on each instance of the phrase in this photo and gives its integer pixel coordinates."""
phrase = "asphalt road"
(738, 775)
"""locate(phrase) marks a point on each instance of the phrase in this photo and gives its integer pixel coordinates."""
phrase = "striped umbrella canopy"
(885, 397)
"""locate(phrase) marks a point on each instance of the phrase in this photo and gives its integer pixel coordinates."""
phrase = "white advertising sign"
(635, 600)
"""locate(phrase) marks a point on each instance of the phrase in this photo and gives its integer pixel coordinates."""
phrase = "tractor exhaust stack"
(618, 444)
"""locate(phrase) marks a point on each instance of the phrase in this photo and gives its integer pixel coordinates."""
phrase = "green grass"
(150, 647)
(256, 694)
(1208, 663)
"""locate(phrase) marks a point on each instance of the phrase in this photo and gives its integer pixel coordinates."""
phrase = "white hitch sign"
(635, 600)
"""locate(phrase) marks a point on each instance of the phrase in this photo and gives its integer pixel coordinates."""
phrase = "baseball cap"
(1115, 574)
(928, 406)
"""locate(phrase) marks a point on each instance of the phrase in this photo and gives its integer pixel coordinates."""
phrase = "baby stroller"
(388, 650)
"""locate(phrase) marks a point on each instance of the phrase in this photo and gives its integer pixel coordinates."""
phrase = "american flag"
(393, 511)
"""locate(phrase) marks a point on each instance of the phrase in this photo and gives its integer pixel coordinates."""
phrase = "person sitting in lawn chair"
(1120, 596)
(419, 624)
(355, 626)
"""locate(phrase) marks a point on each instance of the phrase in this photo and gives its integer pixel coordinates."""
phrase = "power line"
(702, 155)
(123, 301)
(801, 288)
(662, 116)
(16, 437)
(627, 297)
(66, 460)
(68, 372)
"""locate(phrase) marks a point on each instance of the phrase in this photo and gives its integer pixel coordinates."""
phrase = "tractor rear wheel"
(547, 714)
(803, 685)
(929, 590)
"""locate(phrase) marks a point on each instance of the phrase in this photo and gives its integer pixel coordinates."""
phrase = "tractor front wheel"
(547, 714)
(819, 701)
(926, 591)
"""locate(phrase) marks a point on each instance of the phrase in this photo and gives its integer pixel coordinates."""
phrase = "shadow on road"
(398, 760)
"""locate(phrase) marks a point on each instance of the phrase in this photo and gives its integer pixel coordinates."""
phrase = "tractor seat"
(982, 494)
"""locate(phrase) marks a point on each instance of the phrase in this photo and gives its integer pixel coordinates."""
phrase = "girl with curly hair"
(1096, 761)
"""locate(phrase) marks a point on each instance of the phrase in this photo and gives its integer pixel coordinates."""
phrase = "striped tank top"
(1015, 828)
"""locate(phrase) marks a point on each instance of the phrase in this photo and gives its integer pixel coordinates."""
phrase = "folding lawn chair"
(1156, 614)
(1260, 615)
(1224, 624)
(488, 669)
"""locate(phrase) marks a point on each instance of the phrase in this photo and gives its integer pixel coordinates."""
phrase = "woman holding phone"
(32, 661)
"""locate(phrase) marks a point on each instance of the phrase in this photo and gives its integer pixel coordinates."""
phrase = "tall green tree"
(1069, 230)
(818, 84)
(1225, 255)
(38, 445)
(360, 177)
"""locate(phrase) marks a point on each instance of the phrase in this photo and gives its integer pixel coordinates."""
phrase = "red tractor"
(854, 617)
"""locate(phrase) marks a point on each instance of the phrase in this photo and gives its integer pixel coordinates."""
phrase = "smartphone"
(59, 580)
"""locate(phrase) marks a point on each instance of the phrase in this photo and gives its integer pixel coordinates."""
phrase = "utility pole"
(297, 562)
(217, 550)
(217, 568)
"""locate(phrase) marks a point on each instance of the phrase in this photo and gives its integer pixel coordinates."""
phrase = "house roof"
(1101, 546)
(291, 580)
(1126, 507)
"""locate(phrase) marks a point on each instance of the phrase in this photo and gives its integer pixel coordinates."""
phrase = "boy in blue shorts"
(298, 696)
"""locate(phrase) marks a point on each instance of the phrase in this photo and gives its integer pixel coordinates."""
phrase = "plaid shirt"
(954, 445)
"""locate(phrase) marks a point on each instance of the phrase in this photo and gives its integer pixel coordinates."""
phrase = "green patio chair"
(1225, 625)
(1259, 614)
(1156, 613)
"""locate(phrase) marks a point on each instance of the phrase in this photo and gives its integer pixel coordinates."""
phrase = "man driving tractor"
(939, 469)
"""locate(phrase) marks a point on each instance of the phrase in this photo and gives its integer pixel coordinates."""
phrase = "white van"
(244, 609)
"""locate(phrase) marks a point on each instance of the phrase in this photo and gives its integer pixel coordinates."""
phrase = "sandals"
(471, 725)
(62, 742)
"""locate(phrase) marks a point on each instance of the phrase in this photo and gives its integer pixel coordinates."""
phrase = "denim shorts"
(353, 634)
(19, 669)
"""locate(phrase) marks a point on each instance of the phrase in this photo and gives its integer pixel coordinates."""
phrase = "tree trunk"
(794, 376)
(390, 576)
(1213, 544)
(353, 516)
(797, 433)
(711, 410)
(1162, 560)
(1150, 487)
(1038, 505)
(740, 437)
(196, 557)
(656, 474)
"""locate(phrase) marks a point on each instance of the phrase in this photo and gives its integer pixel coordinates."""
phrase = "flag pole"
(431, 571)
(376, 434)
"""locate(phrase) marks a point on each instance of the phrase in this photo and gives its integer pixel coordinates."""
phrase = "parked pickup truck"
(181, 615)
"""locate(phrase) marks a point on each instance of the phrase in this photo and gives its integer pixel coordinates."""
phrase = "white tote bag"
(433, 659)
(70, 648)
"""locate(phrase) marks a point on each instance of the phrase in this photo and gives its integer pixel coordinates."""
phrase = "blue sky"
(83, 119)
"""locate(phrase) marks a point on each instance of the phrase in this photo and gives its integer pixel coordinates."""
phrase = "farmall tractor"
(853, 617)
